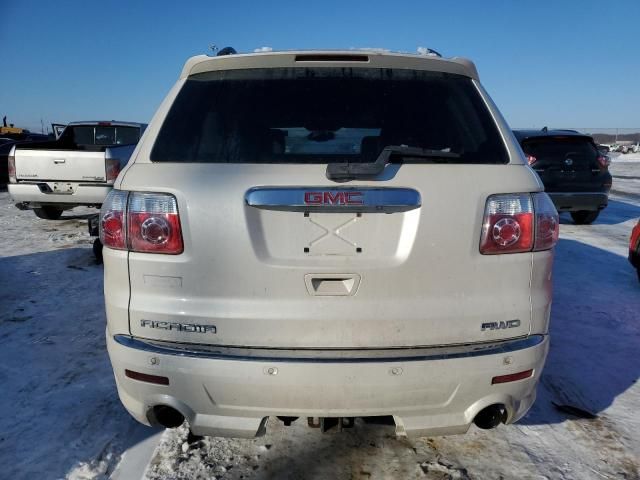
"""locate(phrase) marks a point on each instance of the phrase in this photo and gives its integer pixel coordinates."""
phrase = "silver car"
(328, 235)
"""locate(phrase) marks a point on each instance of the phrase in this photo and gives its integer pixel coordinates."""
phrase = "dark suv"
(574, 172)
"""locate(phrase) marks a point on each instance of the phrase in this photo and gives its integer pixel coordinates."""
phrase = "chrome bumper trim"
(328, 355)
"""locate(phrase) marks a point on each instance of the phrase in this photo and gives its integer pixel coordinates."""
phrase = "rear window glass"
(325, 115)
(559, 149)
(100, 135)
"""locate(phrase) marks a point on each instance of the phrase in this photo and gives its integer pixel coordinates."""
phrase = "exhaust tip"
(167, 416)
(490, 417)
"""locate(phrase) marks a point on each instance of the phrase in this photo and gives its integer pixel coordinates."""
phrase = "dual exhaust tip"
(486, 419)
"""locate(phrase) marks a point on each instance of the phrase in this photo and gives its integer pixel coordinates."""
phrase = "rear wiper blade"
(342, 172)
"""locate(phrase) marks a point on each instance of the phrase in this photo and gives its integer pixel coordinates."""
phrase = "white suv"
(328, 235)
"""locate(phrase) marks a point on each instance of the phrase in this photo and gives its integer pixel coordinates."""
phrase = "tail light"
(141, 222)
(12, 165)
(531, 159)
(604, 161)
(547, 227)
(516, 223)
(113, 169)
(634, 241)
(153, 223)
(112, 220)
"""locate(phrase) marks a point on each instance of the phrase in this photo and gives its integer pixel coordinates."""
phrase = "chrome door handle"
(59, 160)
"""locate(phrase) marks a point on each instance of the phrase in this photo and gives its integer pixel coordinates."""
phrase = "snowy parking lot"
(63, 418)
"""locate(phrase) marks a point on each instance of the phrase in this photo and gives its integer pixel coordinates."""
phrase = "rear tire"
(97, 250)
(584, 217)
(48, 213)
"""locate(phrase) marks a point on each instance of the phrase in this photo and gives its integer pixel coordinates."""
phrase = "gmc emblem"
(334, 198)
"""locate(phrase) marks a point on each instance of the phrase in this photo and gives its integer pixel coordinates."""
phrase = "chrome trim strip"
(332, 199)
(194, 350)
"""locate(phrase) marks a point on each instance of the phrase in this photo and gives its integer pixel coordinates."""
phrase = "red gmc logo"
(333, 198)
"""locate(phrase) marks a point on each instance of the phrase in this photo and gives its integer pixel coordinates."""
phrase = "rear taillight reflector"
(12, 165)
(547, 228)
(153, 223)
(507, 225)
(112, 166)
(634, 241)
(145, 377)
(112, 220)
(141, 222)
(512, 377)
(519, 222)
(604, 161)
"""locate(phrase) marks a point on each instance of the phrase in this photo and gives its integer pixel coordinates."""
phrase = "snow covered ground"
(626, 173)
(617, 157)
(62, 417)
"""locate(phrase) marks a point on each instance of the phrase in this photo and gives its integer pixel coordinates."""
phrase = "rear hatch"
(77, 156)
(276, 254)
(566, 163)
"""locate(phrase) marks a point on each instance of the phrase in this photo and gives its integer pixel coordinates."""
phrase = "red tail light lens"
(141, 222)
(634, 241)
(112, 220)
(531, 159)
(113, 169)
(508, 224)
(547, 222)
(154, 224)
(12, 165)
(145, 377)
(604, 161)
(516, 223)
(512, 377)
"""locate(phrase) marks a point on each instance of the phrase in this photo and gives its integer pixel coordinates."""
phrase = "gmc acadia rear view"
(328, 235)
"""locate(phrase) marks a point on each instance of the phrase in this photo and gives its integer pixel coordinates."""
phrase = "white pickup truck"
(79, 168)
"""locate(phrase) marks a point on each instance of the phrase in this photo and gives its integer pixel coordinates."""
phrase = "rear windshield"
(559, 149)
(325, 115)
(100, 135)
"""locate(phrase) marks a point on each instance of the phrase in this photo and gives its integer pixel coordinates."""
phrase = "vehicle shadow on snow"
(57, 384)
(616, 212)
(594, 333)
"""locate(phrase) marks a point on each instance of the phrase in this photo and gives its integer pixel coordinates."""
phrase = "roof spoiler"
(469, 65)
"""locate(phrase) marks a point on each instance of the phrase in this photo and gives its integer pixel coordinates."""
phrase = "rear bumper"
(574, 201)
(222, 394)
(30, 195)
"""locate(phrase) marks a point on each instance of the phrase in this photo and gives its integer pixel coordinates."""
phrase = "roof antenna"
(428, 52)
(545, 129)
(226, 51)
(214, 48)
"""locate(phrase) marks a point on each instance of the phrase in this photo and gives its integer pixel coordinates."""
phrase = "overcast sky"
(556, 63)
